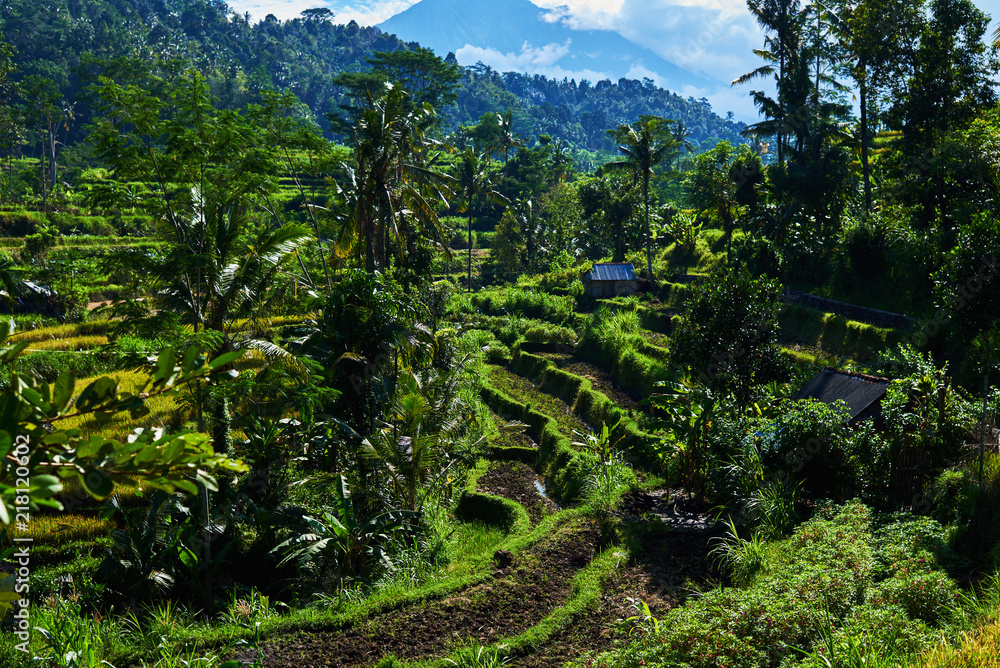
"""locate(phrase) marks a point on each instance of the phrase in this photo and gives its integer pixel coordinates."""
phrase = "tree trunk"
(619, 242)
(865, 167)
(777, 93)
(42, 163)
(469, 286)
(645, 198)
(53, 164)
(982, 427)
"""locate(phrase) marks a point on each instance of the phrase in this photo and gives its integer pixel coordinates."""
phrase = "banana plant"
(687, 411)
(337, 541)
(606, 450)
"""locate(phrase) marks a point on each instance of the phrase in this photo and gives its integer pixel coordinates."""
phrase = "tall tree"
(966, 289)
(949, 84)
(645, 145)
(391, 189)
(207, 171)
(877, 39)
(43, 108)
(951, 76)
(728, 338)
(508, 138)
(422, 75)
(10, 90)
(722, 183)
(782, 21)
(611, 208)
(472, 181)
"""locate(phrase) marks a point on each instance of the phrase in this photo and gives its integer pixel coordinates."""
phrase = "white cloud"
(365, 13)
(639, 72)
(725, 99)
(542, 60)
(372, 13)
(710, 37)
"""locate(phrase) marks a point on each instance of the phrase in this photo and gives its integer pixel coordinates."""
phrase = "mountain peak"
(515, 35)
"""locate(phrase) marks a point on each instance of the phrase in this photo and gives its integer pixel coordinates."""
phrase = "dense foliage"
(406, 322)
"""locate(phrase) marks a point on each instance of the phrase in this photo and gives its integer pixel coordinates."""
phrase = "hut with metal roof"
(862, 393)
(610, 279)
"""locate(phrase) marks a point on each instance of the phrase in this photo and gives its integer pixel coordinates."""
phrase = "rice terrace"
(323, 345)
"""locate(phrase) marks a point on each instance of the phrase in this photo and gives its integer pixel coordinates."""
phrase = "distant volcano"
(516, 35)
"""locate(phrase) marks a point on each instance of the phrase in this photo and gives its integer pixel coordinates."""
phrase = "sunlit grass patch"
(57, 529)
(978, 650)
(74, 343)
(166, 410)
(69, 331)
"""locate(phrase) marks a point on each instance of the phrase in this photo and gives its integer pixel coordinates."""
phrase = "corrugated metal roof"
(856, 390)
(612, 271)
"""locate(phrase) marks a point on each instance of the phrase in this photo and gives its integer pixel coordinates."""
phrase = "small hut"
(863, 394)
(610, 279)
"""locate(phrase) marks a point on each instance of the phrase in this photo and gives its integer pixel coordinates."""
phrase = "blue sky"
(711, 37)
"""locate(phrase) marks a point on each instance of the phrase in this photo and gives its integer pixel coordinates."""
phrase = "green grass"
(513, 330)
(60, 529)
(523, 390)
(522, 302)
(615, 341)
(835, 334)
(66, 332)
(708, 253)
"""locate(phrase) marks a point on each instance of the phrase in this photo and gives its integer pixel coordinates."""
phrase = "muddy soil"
(673, 562)
(511, 601)
(672, 565)
(516, 481)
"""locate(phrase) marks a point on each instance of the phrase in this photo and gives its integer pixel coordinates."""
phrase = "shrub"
(494, 510)
(867, 249)
(820, 593)
(807, 442)
(927, 596)
(757, 255)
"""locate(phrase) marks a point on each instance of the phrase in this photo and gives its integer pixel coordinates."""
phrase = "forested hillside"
(64, 41)
(582, 112)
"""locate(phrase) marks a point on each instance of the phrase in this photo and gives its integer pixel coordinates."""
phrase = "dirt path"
(511, 601)
(673, 562)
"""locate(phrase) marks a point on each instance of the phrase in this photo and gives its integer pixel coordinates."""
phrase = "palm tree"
(508, 138)
(680, 133)
(645, 145)
(785, 19)
(473, 181)
(874, 37)
(388, 186)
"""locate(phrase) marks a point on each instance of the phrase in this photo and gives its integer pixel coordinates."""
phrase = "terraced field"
(558, 590)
